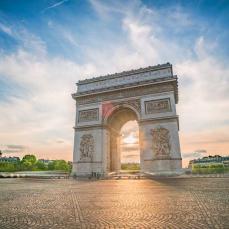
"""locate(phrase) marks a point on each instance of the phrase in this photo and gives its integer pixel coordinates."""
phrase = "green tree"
(28, 162)
(51, 165)
(41, 165)
(29, 157)
(7, 167)
(61, 165)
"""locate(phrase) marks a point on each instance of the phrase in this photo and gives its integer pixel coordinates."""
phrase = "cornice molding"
(130, 87)
(160, 159)
(126, 86)
(125, 73)
(158, 120)
(89, 127)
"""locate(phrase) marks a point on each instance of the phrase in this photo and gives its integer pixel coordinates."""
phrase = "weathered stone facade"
(86, 147)
(157, 106)
(104, 104)
(161, 143)
(88, 115)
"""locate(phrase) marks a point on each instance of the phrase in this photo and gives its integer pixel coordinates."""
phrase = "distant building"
(210, 159)
(9, 159)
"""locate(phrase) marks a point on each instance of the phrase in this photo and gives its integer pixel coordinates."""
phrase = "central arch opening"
(129, 147)
(124, 140)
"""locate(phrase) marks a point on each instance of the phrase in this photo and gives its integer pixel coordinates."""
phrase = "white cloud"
(27, 40)
(43, 112)
(196, 154)
(204, 90)
(6, 29)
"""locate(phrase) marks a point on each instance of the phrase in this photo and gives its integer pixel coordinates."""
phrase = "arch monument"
(104, 104)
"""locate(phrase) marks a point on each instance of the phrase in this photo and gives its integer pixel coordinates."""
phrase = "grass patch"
(130, 166)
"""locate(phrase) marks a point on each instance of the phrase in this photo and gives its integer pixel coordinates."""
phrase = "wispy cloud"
(6, 29)
(195, 154)
(54, 5)
(11, 148)
(26, 40)
(47, 103)
(18, 147)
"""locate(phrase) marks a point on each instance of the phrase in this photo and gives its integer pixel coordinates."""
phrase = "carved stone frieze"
(132, 92)
(161, 142)
(86, 147)
(157, 106)
(125, 79)
(135, 103)
(88, 115)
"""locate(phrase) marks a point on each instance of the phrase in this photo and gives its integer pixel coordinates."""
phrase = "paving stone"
(159, 203)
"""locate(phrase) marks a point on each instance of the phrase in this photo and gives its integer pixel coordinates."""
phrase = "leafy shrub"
(30, 163)
(40, 165)
(207, 168)
(59, 165)
(7, 167)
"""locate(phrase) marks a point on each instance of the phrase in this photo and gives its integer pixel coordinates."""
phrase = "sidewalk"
(35, 174)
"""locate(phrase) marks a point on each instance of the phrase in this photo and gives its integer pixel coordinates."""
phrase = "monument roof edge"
(124, 73)
(109, 89)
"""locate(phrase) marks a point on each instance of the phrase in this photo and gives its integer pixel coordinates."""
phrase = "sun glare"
(130, 139)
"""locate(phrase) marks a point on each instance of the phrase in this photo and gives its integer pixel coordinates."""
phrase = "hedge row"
(209, 168)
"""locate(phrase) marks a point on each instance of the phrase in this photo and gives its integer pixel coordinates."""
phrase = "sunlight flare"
(130, 139)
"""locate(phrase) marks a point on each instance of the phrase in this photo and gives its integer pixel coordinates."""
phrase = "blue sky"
(84, 26)
(46, 46)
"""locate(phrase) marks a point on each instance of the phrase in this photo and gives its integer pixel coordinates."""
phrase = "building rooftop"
(216, 158)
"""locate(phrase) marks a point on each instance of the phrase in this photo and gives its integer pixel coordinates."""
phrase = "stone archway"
(114, 121)
(104, 104)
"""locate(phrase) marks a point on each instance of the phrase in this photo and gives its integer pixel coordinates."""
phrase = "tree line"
(208, 168)
(30, 163)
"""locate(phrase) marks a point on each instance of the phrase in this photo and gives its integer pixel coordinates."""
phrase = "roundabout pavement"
(130, 203)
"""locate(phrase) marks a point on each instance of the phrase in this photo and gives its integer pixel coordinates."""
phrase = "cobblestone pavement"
(160, 203)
